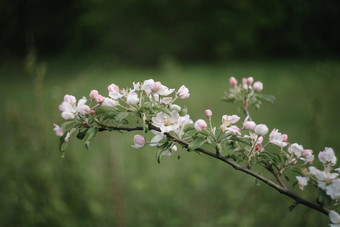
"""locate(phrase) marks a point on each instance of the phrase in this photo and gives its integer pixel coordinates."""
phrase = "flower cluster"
(153, 105)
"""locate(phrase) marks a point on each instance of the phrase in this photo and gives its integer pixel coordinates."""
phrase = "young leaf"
(121, 116)
(269, 98)
(241, 140)
(90, 134)
(199, 141)
(188, 127)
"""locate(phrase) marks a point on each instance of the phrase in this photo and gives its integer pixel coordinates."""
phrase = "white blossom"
(277, 138)
(261, 129)
(183, 92)
(327, 156)
(295, 149)
(302, 182)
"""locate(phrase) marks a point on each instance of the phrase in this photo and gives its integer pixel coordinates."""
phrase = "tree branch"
(280, 188)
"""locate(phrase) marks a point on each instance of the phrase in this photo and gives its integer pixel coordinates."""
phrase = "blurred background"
(50, 48)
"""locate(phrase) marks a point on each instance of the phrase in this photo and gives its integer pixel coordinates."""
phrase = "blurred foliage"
(113, 184)
(144, 32)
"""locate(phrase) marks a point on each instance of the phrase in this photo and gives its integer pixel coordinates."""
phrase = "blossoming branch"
(240, 144)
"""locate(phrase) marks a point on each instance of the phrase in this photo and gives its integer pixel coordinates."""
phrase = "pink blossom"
(93, 94)
(70, 99)
(113, 88)
(258, 86)
(250, 125)
(156, 86)
(233, 130)
(200, 125)
(139, 141)
(244, 80)
(183, 92)
(58, 130)
(327, 156)
(285, 137)
(233, 81)
(250, 80)
(208, 113)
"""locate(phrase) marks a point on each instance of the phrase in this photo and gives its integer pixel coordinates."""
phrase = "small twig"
(291, 207)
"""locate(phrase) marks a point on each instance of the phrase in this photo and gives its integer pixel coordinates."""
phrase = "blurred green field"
(113, 184)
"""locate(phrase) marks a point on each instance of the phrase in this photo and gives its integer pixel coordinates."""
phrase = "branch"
(246, 112)
(279, 188)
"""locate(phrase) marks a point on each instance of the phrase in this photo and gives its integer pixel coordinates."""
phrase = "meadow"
(112, 184)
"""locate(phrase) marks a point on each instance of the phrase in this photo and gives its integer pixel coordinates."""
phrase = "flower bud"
(92, 111)
(99, 98)
(258, 86)
(132, 98)
(261, 129)
(58, 130)
(109, 102)
(233, 81)
(93, 94)
(200, 125)
(208, 113)
(139, 141)
(260, 139)
(156, 86)
(250, 80)
(233, 130)
(244, 80)
(259, 148)
(250, 125)
(113, 88)
(285, 137)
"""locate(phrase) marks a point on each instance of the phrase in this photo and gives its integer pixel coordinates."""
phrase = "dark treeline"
(144, 31)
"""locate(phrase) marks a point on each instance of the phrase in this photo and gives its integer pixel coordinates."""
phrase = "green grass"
(114, 184)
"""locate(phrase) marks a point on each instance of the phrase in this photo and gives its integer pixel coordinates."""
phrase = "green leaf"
(62, 144)
(121, 116)
(81, 134)
(103, 109)
(109, 115)
(269, 98)
(241, 140)
(90, 134)
(183, 111)
(160, 109)
(199, 141)
(67, 124)
(188, 127)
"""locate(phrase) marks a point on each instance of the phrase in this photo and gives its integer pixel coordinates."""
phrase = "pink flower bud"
(260, 139)
(208, 113)
(250, 80)
(294, 160)
(285, 137)
(258, 86)
(92, 111)
(139, 141)
(306, 152)
(250, 125)
(99, 98)
(232, 81)
(200, 125)
(259, 148)
(244, 80)
(93, 94)
(113, 88)
(156, 86)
